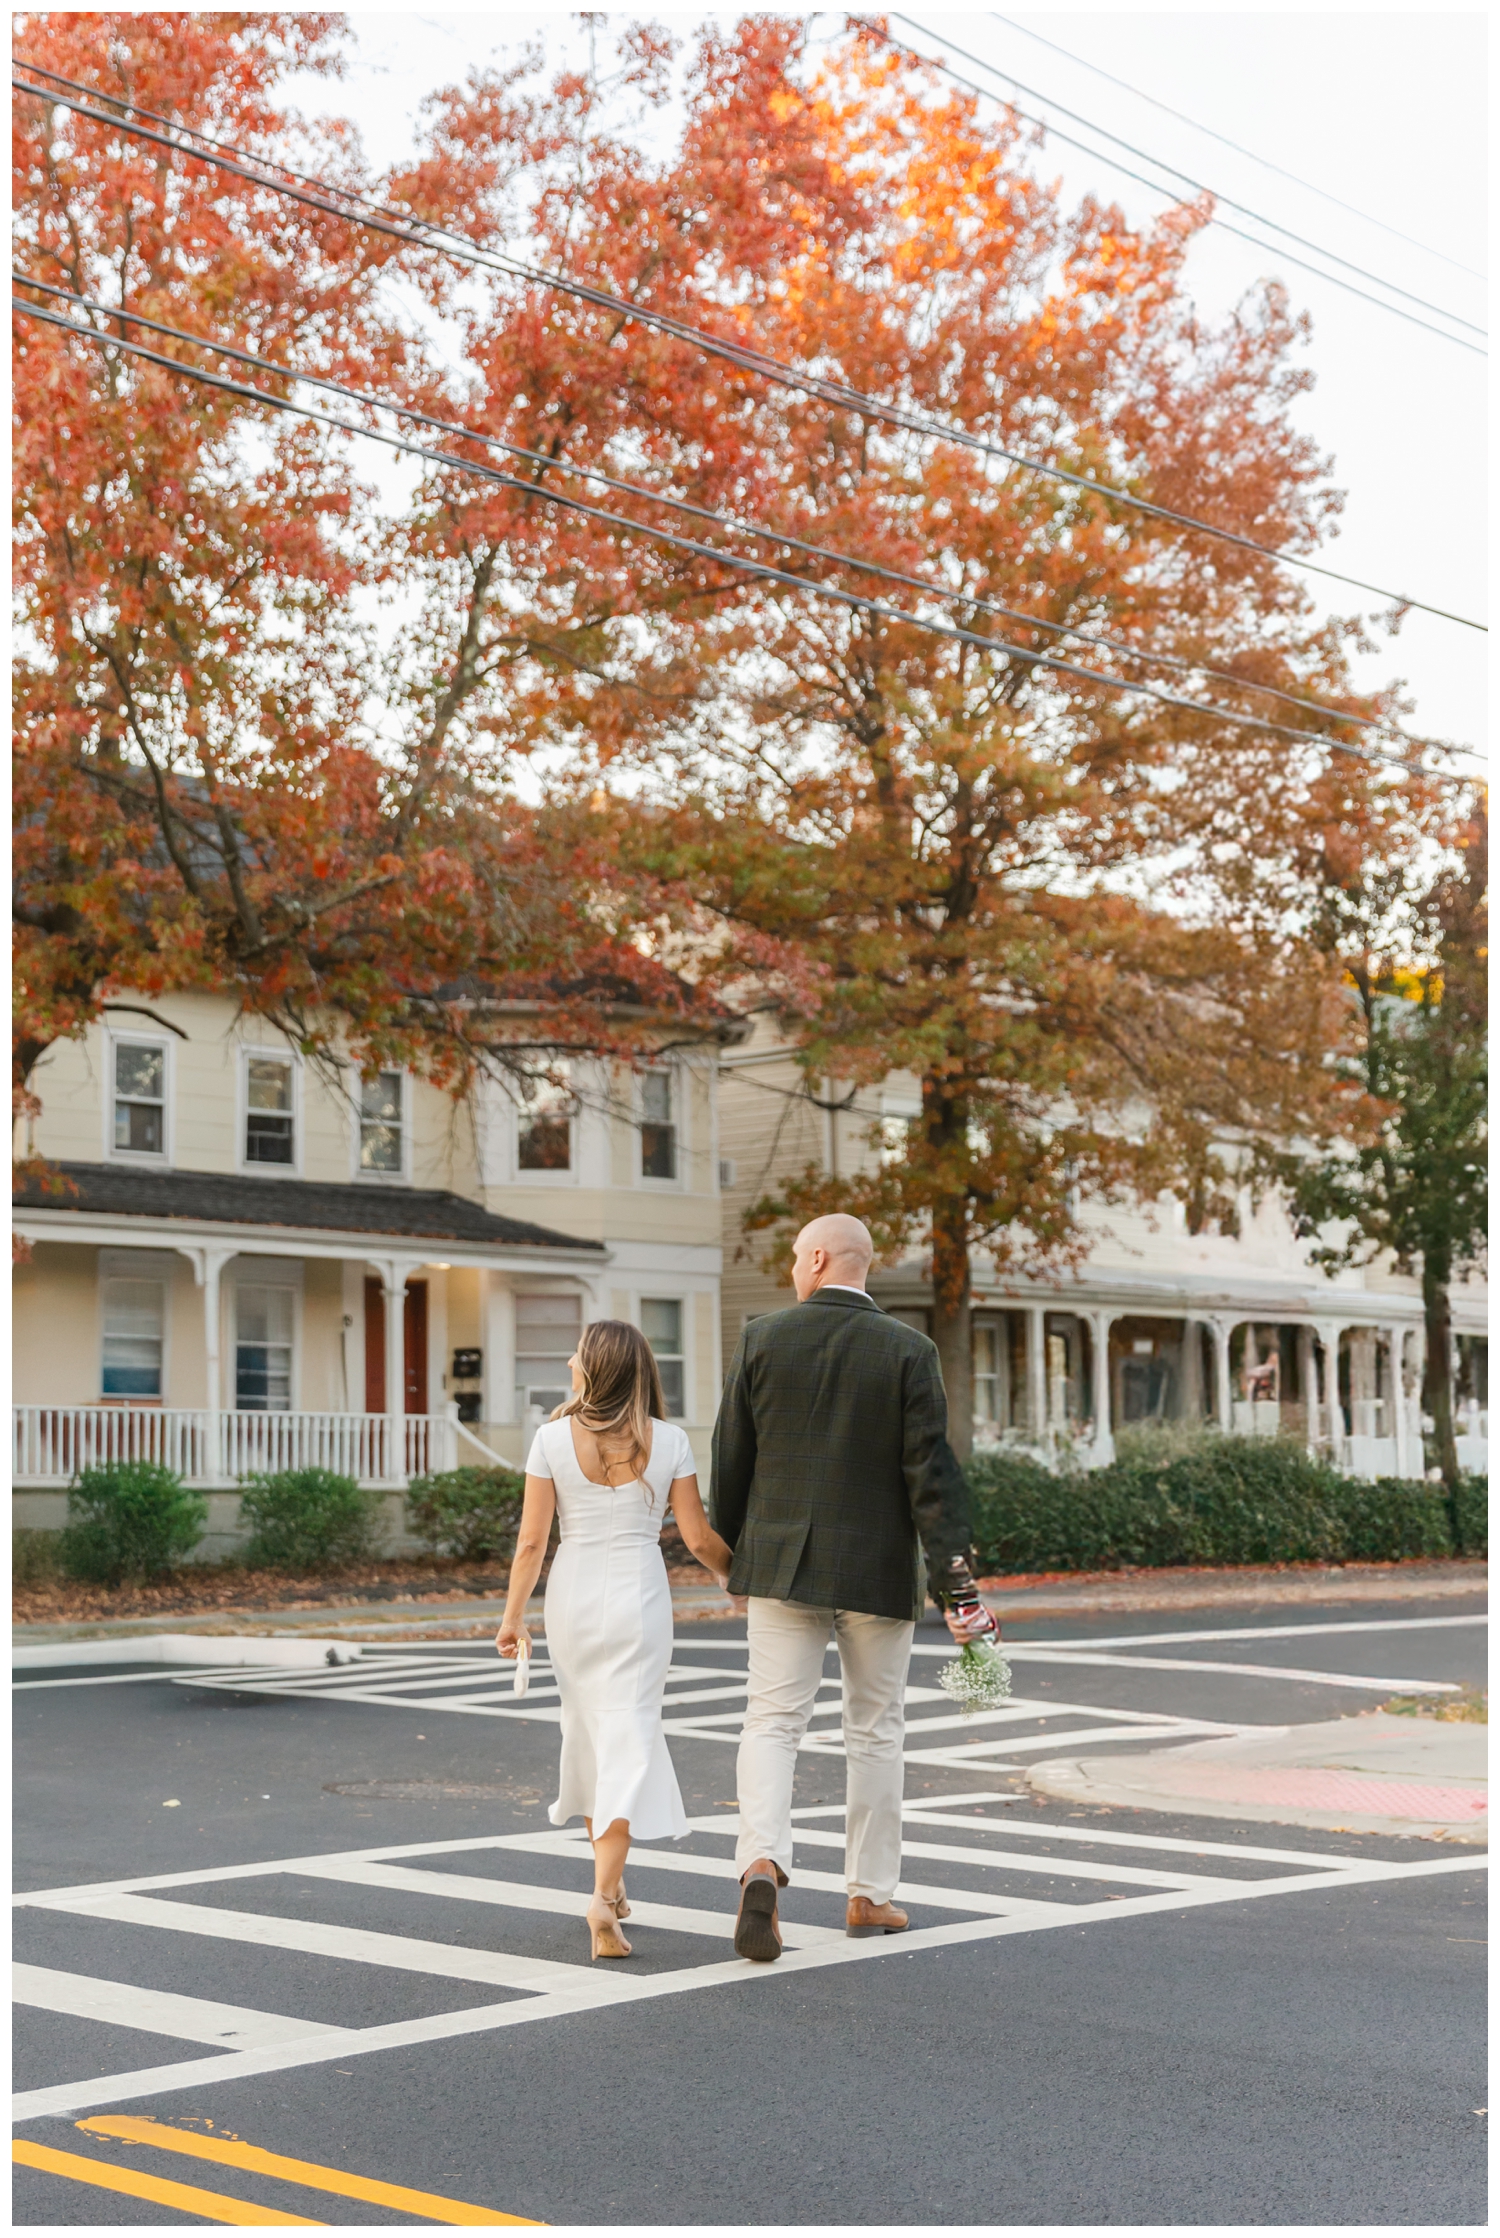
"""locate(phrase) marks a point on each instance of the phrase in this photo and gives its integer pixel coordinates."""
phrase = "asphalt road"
(1178, 2052)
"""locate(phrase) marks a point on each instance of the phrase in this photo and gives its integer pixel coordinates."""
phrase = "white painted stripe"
(1015, 1861)
(316, 1939)
(193, 2020)
(475, 1888)
(148, 2082)
(1240, 1670)
(832, 1884)
(1249, 1632)
(114, 1678)
(1154, 1730)
(922, 1814)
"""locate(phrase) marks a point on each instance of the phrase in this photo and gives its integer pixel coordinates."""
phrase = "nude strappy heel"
(622, 1909)
(605, 1939)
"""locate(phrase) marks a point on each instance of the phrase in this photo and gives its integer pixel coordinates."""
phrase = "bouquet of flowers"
(978, 1677)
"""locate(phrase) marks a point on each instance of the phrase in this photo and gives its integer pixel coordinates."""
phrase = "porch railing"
(53, 1445)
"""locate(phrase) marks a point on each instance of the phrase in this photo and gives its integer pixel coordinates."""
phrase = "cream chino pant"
(787, 1645)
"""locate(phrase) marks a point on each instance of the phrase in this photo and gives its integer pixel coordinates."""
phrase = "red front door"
(414, 1347)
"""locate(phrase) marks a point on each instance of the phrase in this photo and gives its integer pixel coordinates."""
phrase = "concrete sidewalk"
(1372, 1774)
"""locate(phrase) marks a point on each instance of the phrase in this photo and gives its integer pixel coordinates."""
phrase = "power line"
(719, 519)
(1224, 141)
(438, 240)
(755, 568)
(1197, 184)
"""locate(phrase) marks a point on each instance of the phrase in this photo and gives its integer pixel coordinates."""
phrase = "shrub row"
(136, 1520)
(1225, 1500)
(1220, 1500)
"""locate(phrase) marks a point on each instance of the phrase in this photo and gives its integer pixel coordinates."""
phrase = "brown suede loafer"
(757, 1930)
(866, 1917)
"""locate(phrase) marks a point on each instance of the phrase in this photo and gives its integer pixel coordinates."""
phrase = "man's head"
(836, 1248)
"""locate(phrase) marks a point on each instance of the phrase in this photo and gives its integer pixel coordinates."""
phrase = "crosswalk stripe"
(140, 2129)
(210, 2206)
(192, 2020)
(527, 1896)
(315, 1938)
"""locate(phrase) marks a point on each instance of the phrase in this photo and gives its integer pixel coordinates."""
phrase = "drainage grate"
(432, 1791)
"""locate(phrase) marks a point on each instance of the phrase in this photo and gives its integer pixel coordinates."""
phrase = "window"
(658, 1129)
(140, 1099)
(544, 1129)
(268, 1111)
(134, 1313)
(264, 1318)
(547, 1333)
(381, 1144)
(988, 1363)
(661, 1325)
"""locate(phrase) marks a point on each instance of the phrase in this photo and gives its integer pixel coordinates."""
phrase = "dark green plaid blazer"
(831, 1462)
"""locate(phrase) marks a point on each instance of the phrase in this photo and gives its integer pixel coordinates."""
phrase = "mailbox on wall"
(468, 1363)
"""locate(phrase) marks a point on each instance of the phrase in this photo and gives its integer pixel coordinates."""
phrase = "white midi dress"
(609, 1634)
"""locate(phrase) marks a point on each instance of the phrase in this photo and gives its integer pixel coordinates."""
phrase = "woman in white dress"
(609, 1465)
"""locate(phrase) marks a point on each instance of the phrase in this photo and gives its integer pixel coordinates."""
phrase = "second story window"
(140, 1099)
(544, 1129)
(381, 1146)
(658, 1128)
(268, 1112)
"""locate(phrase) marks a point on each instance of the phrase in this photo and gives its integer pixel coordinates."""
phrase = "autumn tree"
(218, 782)
(1415, 1189)
(1081, 917)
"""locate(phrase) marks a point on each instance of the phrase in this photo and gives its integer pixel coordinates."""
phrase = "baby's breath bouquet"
(978, 1677)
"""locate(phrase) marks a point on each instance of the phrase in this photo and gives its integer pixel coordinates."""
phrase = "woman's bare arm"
(698, 1536)
(537, 1511)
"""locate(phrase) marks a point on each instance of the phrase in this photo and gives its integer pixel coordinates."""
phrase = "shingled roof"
(362, 1208)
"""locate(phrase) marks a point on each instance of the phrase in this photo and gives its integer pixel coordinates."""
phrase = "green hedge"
(1226, 1500)
(130, 1519)
(308, 1519)
(471, 1513)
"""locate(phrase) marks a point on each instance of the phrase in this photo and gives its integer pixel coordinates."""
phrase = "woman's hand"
(509, 1638)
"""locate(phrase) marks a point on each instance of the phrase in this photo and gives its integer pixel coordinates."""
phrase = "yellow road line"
(141, 2129)
(211, 2206)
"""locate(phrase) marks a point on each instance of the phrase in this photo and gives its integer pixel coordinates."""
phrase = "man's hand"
(978, 1624)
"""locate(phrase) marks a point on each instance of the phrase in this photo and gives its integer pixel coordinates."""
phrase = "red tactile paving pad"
(1323, 1790)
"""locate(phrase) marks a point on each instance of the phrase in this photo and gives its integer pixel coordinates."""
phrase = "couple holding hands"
(832, 1474)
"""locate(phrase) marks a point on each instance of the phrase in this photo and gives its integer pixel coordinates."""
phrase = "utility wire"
(1187, 180)
(756, 569)
(439, 240)
(1224, 141)
(719, 519)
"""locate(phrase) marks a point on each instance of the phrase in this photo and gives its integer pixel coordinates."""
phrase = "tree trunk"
(1437, 1386)
(951, 1316)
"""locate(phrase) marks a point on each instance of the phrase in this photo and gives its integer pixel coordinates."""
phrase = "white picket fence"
(52, 1445)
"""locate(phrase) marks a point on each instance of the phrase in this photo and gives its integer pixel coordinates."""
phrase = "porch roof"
(349, 1207)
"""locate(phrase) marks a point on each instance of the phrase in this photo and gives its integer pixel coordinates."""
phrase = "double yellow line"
(231, 2152)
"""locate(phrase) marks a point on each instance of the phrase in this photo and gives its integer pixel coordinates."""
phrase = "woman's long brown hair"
(621, 1387)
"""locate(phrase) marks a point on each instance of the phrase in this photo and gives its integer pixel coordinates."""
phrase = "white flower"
(977, 1678)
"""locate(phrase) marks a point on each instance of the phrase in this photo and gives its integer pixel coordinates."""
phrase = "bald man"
(832, 1472)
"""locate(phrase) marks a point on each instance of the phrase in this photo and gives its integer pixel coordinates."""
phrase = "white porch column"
(1036, 1372)
(1223, 1330)
(208, 1266)
(1100, 1324)
(1395, 1340)
(1329, 1333)
(392, 1274)
(499, 1400)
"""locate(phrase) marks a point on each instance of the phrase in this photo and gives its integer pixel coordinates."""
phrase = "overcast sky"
(1385, 112)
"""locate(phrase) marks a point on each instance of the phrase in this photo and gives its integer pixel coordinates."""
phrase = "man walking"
(831, 1463)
